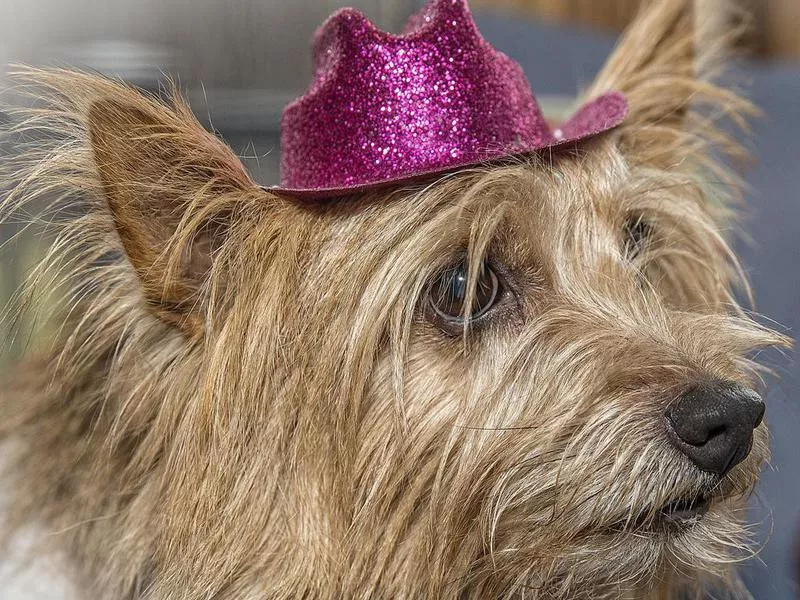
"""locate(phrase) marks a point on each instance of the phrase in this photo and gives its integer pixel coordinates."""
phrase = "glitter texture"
(384, 108)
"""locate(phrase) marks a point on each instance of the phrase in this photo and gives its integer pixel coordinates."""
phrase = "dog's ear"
(663, 64)
(168, 184)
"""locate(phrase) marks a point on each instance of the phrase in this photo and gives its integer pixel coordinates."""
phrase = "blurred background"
(241, 61)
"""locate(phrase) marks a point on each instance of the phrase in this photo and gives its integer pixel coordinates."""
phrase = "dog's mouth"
(675, 515)
(685, 510)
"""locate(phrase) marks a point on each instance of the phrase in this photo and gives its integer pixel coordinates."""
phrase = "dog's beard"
(566, 523)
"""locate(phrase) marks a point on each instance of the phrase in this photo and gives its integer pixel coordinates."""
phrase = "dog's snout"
(713, 424)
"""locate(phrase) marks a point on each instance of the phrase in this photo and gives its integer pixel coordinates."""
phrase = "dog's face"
(519, 339)
(520, 379)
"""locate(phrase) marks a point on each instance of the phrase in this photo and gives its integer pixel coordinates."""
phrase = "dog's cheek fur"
(528, 480)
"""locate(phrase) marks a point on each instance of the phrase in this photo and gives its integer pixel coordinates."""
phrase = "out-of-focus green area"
(19, 254)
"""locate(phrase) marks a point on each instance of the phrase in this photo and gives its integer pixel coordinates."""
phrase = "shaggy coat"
(247, 396)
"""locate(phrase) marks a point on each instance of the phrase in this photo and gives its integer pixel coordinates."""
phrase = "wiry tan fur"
(246, 400)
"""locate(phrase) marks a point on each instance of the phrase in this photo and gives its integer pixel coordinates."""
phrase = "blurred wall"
(237, 44)
(239, 61)
(771, 27)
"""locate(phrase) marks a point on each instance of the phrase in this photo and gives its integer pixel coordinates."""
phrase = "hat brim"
(601, 114)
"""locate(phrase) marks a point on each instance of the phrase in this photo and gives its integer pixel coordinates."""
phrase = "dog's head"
(528, 377)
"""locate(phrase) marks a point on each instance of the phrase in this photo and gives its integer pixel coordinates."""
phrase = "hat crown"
(384, 107)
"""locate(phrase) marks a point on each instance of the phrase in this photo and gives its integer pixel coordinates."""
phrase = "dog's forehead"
(518, 206)
(568, 208)
(566, 191)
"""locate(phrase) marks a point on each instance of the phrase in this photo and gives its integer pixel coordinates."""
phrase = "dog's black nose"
(713, 424)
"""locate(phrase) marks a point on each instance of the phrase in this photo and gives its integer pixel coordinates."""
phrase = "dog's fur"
(247, 399)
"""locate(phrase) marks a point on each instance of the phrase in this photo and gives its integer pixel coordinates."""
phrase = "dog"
(518, 378)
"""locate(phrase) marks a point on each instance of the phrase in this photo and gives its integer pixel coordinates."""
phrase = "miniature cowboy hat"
(386, 109)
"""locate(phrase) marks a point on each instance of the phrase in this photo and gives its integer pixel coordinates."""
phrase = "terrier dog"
(520, 378)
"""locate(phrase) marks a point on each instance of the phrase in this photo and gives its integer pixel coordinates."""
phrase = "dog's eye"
(637, 233)
(448, 294)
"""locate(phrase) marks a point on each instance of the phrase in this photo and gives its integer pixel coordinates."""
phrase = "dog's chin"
(691, 537)
(695, 532)
(702, 539)
(705, 504)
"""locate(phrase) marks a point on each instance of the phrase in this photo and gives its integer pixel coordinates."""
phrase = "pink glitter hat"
(388, 108)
